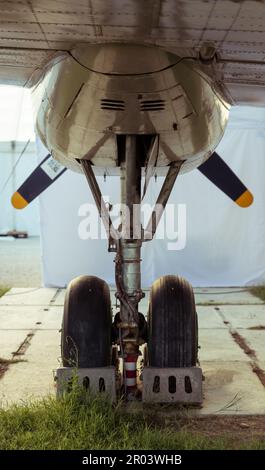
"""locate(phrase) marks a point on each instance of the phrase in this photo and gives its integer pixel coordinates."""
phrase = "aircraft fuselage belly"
(110, 89)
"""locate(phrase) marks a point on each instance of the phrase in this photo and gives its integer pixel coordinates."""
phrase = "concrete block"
(95, 380)
(172, 385)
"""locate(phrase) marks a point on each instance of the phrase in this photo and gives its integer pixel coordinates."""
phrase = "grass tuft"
(81, 421)
(258, 291)
(4, 290)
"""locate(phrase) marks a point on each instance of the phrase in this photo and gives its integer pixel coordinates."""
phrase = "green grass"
(3, 290)
(258, 291)
(84, 422)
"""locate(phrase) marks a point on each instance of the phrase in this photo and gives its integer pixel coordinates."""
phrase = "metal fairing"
(98, 91)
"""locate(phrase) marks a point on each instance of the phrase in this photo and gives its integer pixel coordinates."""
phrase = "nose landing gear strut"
(170, 373)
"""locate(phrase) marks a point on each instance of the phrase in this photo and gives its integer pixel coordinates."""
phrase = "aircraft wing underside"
(33, 32)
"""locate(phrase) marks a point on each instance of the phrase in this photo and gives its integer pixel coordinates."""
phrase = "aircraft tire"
(86, 327)
(172, 324)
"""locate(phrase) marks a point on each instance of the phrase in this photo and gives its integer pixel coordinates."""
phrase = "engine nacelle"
(112, 89)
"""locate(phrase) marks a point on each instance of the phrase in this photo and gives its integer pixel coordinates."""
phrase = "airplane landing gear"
(171, 334)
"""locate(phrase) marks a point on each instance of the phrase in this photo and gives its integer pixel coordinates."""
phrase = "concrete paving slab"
(244, 316)
(256, 340)
(10, 341)
(229, 377)
(231, 388)
(225, 295)
(217, 345)
(26, 317)
(28, 296)
(51, 319)
(32, 379)
(60, 297)
(209, 318)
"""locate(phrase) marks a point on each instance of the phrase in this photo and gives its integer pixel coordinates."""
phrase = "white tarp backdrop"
(225, 244)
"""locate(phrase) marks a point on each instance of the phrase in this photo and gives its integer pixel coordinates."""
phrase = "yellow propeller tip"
(18, 201)
(245, 200)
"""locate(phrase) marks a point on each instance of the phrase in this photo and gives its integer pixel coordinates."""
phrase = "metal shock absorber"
(128, 259)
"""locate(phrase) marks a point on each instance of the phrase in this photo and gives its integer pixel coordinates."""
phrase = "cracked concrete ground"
(232, 384)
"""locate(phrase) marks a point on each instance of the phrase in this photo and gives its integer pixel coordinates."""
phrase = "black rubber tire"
(172, 322)
(86, 329)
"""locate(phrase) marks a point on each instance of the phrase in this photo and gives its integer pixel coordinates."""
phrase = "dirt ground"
(20, 262)
(237, 429)
(216, 425)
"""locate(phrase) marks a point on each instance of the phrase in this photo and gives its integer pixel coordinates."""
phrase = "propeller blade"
(46, 173)
(219, 173)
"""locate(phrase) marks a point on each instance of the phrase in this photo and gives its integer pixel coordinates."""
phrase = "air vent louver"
(114, 105)
(152, 105)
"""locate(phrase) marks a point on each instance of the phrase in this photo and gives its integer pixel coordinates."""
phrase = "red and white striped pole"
(130, 361)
